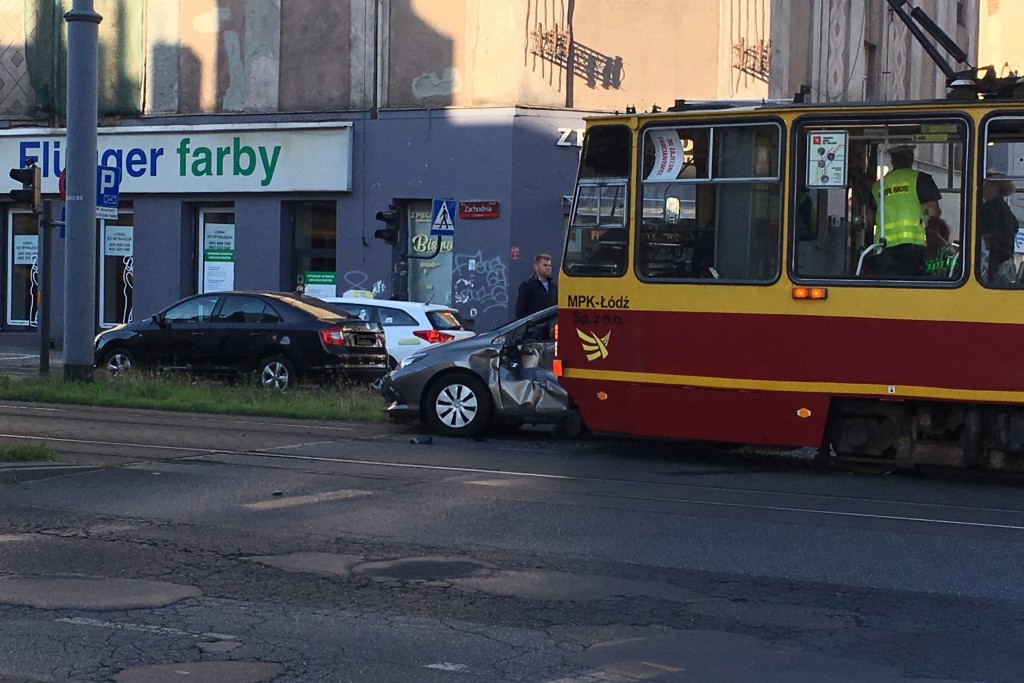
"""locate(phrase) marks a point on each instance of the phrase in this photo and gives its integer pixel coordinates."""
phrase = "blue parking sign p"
(108, 185)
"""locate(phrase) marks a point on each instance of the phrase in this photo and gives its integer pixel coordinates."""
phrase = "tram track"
(676, 495)
(244, 442)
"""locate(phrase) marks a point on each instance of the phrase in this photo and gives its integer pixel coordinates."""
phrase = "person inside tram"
(940, 254)
(997, 227)
(911, 199)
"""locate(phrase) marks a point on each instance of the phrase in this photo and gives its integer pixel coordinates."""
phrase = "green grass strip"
(313, 402)
(25, 452)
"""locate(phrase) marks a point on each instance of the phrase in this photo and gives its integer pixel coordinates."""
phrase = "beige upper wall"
(1000, 44)
(315, 55)
(324, 55)
(627, 52)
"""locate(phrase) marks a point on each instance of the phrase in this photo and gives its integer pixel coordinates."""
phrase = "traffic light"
(30, 193)
(389, 233)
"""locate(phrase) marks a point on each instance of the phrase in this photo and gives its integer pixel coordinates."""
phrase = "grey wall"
(164, 253)
(507, 155)
(542, 172)
(257, 243)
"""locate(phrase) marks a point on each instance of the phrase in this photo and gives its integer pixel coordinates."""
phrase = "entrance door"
(315, 246)
(116, 270)
(22, 269)
(216, 250)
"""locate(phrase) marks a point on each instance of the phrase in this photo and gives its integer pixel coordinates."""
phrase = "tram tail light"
(810, 293)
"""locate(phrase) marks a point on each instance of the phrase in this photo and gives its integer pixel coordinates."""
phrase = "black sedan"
(502, 377)
(279, 337)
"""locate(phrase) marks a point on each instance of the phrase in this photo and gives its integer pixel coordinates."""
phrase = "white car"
(408, 325)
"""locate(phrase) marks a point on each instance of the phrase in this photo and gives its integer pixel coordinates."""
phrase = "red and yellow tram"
(724, 279)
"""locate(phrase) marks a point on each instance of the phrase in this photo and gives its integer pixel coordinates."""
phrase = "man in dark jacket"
(537, 292)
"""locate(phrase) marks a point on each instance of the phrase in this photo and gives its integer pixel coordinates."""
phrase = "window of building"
(430, 279)
(315, 246)
(216, 249)
(116, 269)
(1000, 238)
(22, 269)
(710, 202)
(841, 227)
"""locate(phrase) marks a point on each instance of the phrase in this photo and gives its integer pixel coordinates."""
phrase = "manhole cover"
(424, 568)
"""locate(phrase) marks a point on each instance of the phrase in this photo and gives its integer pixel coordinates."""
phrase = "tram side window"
(711, 198)
(1000, 218)
(841, 226)
(598, 240)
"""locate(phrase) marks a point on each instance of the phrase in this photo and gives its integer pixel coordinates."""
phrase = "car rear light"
(434, 336)
(332, 336)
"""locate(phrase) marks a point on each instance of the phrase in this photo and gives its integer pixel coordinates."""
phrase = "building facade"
(852, 50)
(257, 140)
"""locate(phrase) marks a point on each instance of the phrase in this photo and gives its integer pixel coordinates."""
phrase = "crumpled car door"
(526, 383)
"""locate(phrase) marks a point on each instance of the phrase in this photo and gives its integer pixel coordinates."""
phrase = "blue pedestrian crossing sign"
(442, 217)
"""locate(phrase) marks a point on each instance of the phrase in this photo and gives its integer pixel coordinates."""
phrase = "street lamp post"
(80, 229)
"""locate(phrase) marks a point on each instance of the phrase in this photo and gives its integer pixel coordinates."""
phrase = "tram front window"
(598, 241)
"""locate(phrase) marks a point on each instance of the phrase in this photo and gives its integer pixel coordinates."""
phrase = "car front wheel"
(118, 362)
(276, 372)
(459, 405)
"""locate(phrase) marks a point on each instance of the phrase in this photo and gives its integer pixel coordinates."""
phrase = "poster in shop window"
(826, 159)
(26, 248)
(118, 241)
(219, 257)
(320, 283)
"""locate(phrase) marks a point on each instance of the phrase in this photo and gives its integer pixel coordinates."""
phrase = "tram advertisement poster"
(826, 159)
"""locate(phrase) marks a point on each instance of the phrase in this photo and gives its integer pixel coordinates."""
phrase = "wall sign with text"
(479, 209)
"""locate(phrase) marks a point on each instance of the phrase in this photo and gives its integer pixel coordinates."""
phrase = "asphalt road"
(207, 548)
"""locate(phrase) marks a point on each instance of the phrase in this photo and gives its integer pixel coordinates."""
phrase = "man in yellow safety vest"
(910, 199)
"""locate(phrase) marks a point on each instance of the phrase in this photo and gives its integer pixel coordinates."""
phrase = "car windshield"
(445, 320)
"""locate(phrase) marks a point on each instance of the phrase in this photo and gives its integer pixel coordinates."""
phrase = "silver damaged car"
(501, 377)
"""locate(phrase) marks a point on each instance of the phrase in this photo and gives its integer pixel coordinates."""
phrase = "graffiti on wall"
(432, 85)
(480, 284)
(357, 279)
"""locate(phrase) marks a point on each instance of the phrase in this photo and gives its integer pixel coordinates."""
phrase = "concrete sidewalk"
(25, 360)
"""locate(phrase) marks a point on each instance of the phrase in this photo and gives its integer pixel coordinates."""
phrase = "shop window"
(117, 252)
(315, 246)
(430, 279)
(216, 250)
(22, 269)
